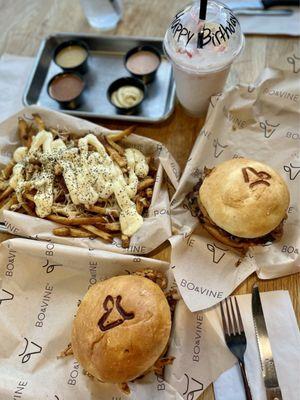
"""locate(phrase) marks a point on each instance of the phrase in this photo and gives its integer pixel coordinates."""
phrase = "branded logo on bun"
(122, 327)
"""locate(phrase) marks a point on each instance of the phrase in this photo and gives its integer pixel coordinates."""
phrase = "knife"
(263, 7)
(266, 358)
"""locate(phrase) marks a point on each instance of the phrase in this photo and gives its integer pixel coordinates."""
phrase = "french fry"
(75, 220)
(110, 226)
(116, 137)
(65, 231)
(39, 122)
(8, 203)
(29, 196)
(103, 210)
(149, 193)
(116, 146)
(73, 232)
(7, 192)
(3, 185)
(139, 206)
(7, 171)
(120, 160)
(28, 210)
(125, 241)
(145, 183)
(98, 232)
(22, 132)
(67, 352)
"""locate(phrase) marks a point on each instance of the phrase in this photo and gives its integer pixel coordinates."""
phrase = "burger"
(122, 328)
(243, 203)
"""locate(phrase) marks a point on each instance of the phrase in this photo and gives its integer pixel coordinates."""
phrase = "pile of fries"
(81, 221)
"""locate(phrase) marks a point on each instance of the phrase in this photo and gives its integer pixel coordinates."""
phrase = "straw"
(202, 16)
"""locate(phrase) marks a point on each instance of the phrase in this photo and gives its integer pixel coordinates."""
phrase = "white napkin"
(14, 72)
(285, 342)
(270, 25)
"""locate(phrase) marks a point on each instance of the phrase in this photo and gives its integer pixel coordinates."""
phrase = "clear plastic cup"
(202, 52)
(103, 14)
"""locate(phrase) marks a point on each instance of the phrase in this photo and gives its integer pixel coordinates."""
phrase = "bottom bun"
(225, 239)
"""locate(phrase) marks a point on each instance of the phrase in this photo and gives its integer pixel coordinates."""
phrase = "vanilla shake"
(201, 52)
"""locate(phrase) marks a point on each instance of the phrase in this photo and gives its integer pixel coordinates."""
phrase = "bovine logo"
(217, 252)
(216, 98)
(197, 388)
(27, 355)
(254, 177)
(50, 267)
(218, 148)
(109, 305)
(268, 128)
(293, 61)
(7, 296)
(292, 170)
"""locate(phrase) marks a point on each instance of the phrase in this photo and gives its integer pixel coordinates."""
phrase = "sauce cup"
(126, 81)
(72, 55)
(143, 62)
(67, 89)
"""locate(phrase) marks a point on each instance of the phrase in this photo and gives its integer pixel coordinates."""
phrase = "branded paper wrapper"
(41, 284)
(261, 122)
(157, 226)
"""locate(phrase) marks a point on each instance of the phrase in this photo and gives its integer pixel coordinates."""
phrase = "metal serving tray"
(105, 64)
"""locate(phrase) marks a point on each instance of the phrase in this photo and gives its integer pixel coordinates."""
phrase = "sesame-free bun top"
(121, 328)
(244, 197)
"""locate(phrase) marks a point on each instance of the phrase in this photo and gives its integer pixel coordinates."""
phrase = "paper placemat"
(41, 284)
(259, 121)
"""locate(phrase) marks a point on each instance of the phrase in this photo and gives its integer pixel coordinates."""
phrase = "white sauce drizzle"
(89, 175)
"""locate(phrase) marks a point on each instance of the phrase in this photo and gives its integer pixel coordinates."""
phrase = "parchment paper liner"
(157, 226)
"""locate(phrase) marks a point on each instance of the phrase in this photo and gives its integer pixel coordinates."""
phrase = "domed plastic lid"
(204, 45)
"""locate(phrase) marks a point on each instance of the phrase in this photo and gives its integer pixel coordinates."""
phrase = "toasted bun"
(128, 346)
(238, 205)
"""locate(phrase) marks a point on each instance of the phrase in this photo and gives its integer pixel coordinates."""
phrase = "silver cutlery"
(235, 337)
(266, 358)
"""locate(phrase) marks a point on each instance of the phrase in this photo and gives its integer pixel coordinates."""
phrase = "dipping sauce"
(66, 87)
(142, 62)
(127, 96)
(71, 56)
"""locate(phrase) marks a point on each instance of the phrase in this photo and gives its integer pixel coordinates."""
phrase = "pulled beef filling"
(200, 212)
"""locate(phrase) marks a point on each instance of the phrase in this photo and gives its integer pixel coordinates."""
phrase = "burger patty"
(198, 210)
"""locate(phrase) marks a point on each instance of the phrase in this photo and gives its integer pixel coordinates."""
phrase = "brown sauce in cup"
(142, 62)
(66, 87)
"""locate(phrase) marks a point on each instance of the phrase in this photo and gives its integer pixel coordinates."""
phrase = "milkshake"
(201, 52)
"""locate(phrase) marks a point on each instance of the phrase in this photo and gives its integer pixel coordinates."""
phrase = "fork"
(235, 337)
